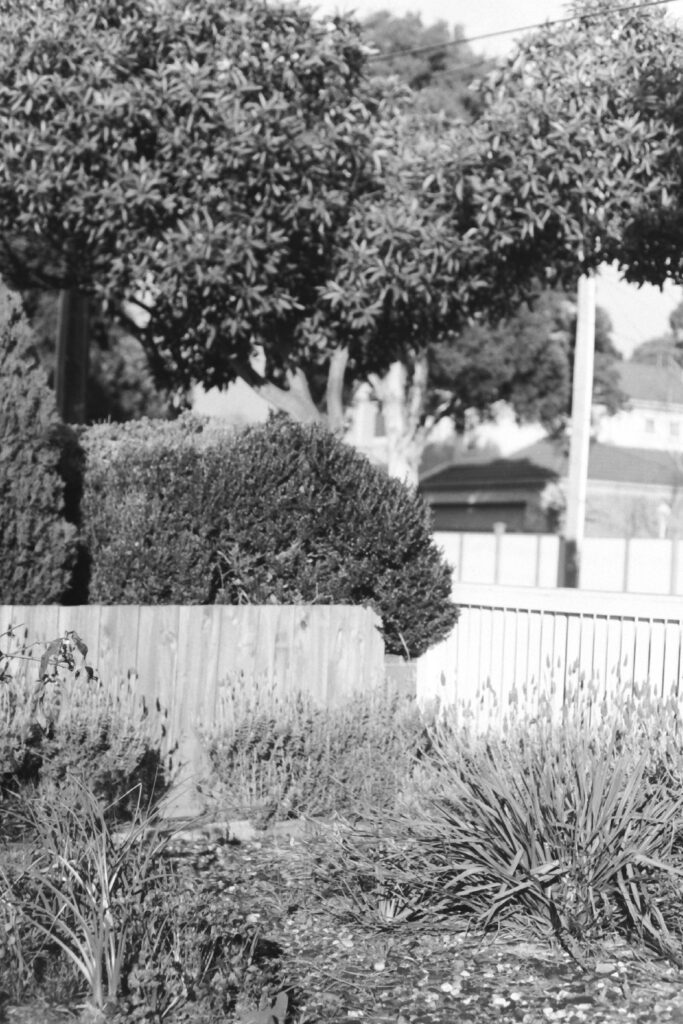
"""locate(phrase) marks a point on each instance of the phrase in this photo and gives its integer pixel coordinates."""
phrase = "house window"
(674, 428)
(649, 425)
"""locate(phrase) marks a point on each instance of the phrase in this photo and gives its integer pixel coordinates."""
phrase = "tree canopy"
(525, 360)
(578, 159)
(437, 64)
(194, 159)
(233, 170)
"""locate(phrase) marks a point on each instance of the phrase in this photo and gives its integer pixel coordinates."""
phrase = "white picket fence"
(514, 646)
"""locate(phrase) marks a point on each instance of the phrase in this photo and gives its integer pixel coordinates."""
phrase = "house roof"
(547, 460)
(645, 383)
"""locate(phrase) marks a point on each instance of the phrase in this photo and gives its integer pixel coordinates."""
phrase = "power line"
(512, 31)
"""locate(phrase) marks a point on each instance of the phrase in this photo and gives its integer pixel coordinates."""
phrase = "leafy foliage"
(526, 360)
(151, 511)
(439, 72)
(85, 887)
(576, 158)
(196, 161)
(279, 513)
(37, 544)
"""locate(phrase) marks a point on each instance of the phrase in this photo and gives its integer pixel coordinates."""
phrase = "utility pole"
(71, 373)
(582, 396)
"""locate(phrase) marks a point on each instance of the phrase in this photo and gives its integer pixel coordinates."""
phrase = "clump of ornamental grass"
(566, 829)
(277, 756)
(79, 887)
(105, 914)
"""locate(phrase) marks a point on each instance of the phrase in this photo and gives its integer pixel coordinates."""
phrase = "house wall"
(633, 510)
(652, 425)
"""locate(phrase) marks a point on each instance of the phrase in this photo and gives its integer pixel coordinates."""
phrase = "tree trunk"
(295, 400)
(402, 397)
(71, 375)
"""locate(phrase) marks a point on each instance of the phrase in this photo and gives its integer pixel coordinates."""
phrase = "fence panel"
(516, 646)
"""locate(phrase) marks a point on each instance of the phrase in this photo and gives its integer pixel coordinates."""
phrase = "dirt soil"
(344, 970)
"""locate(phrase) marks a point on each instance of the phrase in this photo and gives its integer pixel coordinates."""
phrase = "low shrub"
(569, 831)
(275, 757)
(62, 726)
(281, 513)
(37, 544)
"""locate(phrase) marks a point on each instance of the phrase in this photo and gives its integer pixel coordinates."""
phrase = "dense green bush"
(37, 544)
(281, 513)
(150, 512)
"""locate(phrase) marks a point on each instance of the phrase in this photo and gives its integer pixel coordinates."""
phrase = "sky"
(637, 314)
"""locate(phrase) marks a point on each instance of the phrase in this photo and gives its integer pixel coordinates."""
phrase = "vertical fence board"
(555, 643)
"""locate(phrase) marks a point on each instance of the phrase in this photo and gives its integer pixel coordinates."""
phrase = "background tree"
(525, 360)
(434, 62)
(574, 156)
(667, 350)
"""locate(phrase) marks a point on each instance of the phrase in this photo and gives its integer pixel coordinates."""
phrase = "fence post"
(499, 532)
(627, 564)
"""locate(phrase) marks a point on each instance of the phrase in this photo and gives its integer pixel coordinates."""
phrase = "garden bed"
(337, 968)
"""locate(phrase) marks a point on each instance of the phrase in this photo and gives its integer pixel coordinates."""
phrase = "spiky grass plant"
(278, 756)
(570, 832)
(84, 886)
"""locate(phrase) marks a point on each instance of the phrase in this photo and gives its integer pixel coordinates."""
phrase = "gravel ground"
(338, 969)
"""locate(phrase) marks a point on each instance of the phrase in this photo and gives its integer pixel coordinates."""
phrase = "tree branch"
(295, 400)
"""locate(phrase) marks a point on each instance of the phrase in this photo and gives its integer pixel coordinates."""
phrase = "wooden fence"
(514, 646)
(178, 658)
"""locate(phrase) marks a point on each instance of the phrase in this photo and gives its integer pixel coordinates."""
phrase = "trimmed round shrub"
(37, 544)
(149, 512)
(309, 520)
(279, 513)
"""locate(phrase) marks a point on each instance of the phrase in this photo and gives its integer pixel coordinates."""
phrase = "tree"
(119, 384)
(572, 160)
(194, 162)
(230, 169)
(525, 360)
(666, 351)
(436, 64)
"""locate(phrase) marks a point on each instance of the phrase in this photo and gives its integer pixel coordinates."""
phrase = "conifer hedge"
(37, 544)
